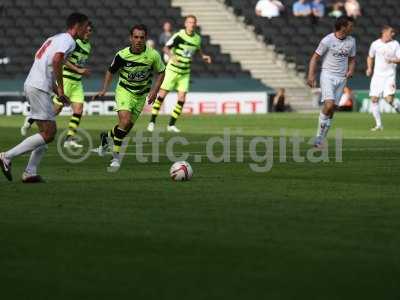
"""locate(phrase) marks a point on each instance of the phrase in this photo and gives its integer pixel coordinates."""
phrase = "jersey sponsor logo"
(138, 76)
(341, 51)
(187, 53)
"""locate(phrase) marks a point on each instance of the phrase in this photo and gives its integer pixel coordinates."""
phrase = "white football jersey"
(382, 52)
(41, 74)
(335, 54)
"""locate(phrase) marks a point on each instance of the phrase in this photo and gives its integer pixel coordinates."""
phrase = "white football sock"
(27, 124)
(376, 113)
(34, 160)
(323, 125)
(28, 144)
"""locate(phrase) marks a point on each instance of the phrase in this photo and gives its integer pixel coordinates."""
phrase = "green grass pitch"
(325, 230)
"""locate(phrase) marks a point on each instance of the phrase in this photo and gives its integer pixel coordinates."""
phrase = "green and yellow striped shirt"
(136, 70)
(79, 57)
(183, 47)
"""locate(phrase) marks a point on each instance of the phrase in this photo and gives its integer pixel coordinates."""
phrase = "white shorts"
(332, 87)
(41, 104)
(382, 86)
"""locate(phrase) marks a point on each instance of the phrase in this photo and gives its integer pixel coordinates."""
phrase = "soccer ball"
(181, 171)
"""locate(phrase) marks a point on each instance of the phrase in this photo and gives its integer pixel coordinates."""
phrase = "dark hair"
(76, 18)
(140, 27)
(386, 27)
(343, 22)
(191, 17)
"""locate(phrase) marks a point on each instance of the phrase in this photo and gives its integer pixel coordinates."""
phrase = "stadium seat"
(27, 23)
(297, 38)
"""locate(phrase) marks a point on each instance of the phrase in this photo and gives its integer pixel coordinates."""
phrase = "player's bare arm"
(312, 73)
(394, 61)
(58, 61)
(154, 90)
(106, 84)
(352, 67)
(82, 71)
(206, 58)
(370, 65)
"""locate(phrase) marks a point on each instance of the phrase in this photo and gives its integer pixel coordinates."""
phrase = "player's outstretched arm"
(312, 70)
(394, 61)
(206, 58)
(106, 83)
(352, 67)
(156, 87)
(82, 71)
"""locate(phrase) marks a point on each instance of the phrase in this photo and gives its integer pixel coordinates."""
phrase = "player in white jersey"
(383, 57)
(338, 51)
(44, 77)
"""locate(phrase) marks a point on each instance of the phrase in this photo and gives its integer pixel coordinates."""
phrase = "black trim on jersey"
(138, 87)
(184, 62)
(117, 64)
(134, 90)
(174, 43)
(133, 64)
(182, 68)
(179, 40)
(70, 70)
(71, 77)
(80, 49)
(74, 56)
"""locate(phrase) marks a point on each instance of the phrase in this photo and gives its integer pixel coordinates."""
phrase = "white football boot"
(173, 128)
(377, 128)
(150, 127)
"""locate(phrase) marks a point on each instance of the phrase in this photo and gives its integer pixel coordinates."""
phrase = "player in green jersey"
(73, 70)
(180, 48)
(135, 66)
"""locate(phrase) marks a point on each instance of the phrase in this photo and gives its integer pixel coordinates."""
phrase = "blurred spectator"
(164, 37)
(346, 102)
(318, 8)
(165, 34)
(269, 8)
(302, 8)
(337, 10)
(352, 8)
